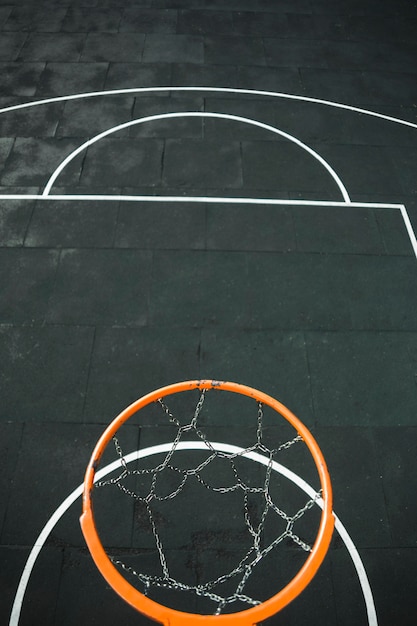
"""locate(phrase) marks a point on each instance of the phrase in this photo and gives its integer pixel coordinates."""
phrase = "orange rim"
(172, 617)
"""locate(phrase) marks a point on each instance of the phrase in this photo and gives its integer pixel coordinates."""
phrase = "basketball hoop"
(114, 571)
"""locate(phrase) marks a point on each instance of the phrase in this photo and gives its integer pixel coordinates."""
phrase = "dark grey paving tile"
(20, 79)
(140, 20)
(66, 224)
(290, 291)
(274, 362)
(123, 163)
(45, 372)
(359, 498)
(39, 121)
(293, 53)
(101, 287)
(391, 87)
(127, 363)
(179, 127)
(383, 294)
(252, 228)
(161, 48)
(254, 23)
(192, 22)
(363, 169)
(284, 166)
(215, 164)
(55, 457)
(396, 448)
(337, 230)
(4, 14)
(128, 75)
(6, 146)
(349, 597)
(52, 47)
(157, 225)
(198, 288)
(258, 109)
(236, 50)
(40, 599)
(404, 168)
(190, 73)
(33, 161)
(86, 19)
(340, 86)
(113, 47)
(81, 580)
(27, 278)
(363, 378)
(14, 220)
(10, 45)
(395, 601)
(37, 18)
(269, 79)
(69, 78)
(89, 116)
(393, 231)
(11, 435)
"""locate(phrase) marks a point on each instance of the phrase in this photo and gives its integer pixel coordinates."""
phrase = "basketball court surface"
(216, 189)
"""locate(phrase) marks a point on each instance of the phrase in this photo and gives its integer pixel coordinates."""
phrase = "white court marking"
(260, 201)
(223, 116)
(256, 201)
(191, 445)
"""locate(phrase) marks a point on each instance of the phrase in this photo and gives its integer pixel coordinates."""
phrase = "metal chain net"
(242, 572)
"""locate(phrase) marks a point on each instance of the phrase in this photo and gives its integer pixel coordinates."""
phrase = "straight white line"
(199, 199)
(252, 92)
(191, 445)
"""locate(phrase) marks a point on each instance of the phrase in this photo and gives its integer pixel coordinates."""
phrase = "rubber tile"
(124, 75)
(63, 78)
(20, 79)
(127, 363)
(66, 224)
(85, 19)
(33, 161)
(140, 20)
(161, 48)
(113, 47)
(83, 118)
(99, 286)
(43, 365)
(159, 225)
(35, 19)
(43, 584)
(14, 220)
(346, 373)
(30, 121)
(216, 164)
(52, 47)
(192, 22)
(26, 278)
(396, 448)
(234, 50)
(125, 162)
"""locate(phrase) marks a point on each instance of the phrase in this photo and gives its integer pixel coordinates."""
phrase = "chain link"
(256, 528)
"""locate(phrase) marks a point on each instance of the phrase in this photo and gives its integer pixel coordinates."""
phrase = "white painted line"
(199, 199)
(220, 200)
(250, 92)
(191, 445)
(223, 116)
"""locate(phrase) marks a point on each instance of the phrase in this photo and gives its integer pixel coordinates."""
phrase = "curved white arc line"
(189, 445)
(236, 90)
(202, 114)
